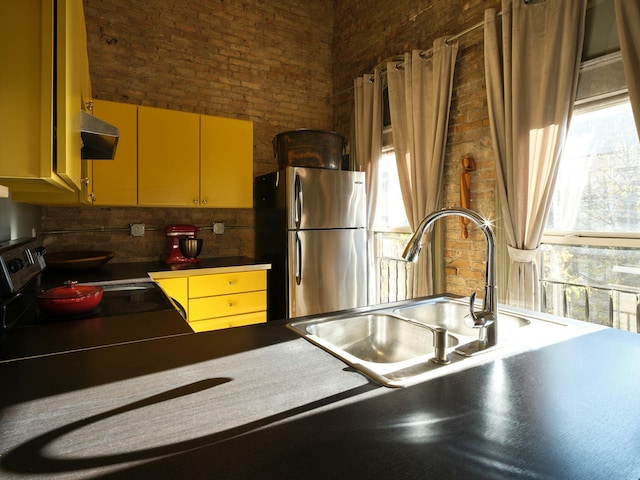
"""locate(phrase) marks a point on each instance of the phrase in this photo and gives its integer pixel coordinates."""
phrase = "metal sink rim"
(420, 369)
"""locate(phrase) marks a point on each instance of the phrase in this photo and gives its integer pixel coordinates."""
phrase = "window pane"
(617, 267)
(594, 284)
(597, 188)
(390, 211)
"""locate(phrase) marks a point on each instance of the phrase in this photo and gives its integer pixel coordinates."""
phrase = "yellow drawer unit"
(228, 322)
(226, 305)
(220, 300)
(223, 283)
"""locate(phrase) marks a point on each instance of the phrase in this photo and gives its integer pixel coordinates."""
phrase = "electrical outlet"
(218, 228)
(136, 229)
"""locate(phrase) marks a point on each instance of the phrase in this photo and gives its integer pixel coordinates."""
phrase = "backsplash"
(99, 228)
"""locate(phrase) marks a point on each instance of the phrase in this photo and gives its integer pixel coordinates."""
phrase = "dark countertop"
(260, 402)
(135, 270)
(62, 336)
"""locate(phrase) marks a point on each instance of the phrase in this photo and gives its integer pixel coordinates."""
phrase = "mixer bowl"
(190, 247)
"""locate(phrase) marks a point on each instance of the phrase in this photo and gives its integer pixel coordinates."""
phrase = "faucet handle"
(477, 319)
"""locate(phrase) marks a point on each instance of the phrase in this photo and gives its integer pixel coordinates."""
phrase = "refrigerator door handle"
(298, 260)
(297, 208)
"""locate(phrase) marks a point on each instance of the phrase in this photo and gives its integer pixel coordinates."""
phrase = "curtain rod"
(447, 40)
(423, 54)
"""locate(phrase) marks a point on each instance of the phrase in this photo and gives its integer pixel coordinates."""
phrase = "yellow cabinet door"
(61, 197)
(27, 44)
(168, 157)
(226, 162)
(226, 305)
(177, 289)
(228, 322)
(72, 67)
(225, 283)
(115, 182)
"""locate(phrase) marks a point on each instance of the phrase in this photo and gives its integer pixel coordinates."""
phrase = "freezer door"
(327, 271)
(321, 198)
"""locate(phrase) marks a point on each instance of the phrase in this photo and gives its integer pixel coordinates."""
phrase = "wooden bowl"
(78, 260)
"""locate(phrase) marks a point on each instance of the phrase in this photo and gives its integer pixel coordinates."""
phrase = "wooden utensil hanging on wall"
(468, 165)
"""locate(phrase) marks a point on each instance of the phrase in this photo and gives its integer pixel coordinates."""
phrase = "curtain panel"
(368, 150)
(628, 23)
(531, 67)
(419, 102)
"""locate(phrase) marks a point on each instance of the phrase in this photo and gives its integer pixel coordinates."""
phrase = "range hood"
(99, 138)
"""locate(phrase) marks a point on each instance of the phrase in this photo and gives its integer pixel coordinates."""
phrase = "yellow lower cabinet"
(222, 283)
(220, 300)
(226, 305)
(228, 322)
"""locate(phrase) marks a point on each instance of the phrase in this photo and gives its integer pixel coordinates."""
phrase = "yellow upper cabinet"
(168, 157)
(191, 160)
(59, 196)
(29, 115)
(73, 79)
(226, 162)
(115, 182)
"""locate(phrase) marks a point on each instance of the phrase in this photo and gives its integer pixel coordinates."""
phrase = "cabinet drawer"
(226, 305)
(225, 283)
(227, 322)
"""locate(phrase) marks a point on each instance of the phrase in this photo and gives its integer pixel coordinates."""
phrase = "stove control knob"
(40, 251)
(15, 265)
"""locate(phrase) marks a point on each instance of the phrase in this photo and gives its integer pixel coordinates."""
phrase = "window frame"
(590, 102)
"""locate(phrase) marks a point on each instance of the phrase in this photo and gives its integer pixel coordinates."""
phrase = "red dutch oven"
(70, 299)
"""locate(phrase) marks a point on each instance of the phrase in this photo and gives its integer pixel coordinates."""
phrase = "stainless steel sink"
(374, 337)
(450, 314)
(395, 346)
(388, 349)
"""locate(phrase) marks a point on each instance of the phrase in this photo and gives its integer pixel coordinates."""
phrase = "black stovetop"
(118, 299)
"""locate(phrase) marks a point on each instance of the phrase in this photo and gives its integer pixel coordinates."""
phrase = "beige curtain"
(368, 150)
(531, 68)
(419, 102)
(628, 21)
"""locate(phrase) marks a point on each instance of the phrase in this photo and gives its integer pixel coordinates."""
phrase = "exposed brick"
(274, 63)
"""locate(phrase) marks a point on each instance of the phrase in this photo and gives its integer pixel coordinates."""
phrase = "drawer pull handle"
(230, 282)
(230, 304)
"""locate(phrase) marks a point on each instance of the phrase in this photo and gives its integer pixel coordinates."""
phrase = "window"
(590, 257)
(391, 227)
(591, 252)
(390, 212)
(598, 187)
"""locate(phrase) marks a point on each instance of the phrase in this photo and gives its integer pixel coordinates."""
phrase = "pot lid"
(70, 289)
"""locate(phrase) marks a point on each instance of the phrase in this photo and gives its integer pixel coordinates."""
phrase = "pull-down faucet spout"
(487, 319)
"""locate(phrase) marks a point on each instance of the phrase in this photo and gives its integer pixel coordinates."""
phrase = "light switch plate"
(136, 229)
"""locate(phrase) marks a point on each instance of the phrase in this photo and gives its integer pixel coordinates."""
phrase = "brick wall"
(369, 31)
(268, 62)
(88, 228)
(274, 63)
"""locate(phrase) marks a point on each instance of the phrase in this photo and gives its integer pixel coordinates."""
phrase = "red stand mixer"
(176, 233)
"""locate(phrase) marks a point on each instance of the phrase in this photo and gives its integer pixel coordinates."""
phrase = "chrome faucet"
(487, 319)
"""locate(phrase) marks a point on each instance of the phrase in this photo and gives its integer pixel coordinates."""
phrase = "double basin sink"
(396, 346)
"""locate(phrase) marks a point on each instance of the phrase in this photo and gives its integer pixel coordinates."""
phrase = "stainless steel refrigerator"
(311, 227)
